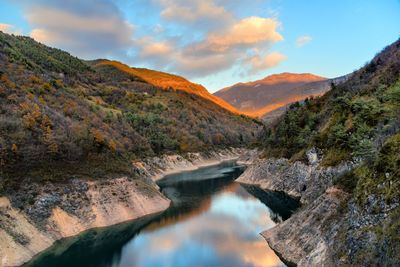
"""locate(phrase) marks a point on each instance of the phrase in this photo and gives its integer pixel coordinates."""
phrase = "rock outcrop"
(63, 210)
(304, 239)
(299, 180)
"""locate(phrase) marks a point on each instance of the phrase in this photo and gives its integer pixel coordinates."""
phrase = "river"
(213, 221)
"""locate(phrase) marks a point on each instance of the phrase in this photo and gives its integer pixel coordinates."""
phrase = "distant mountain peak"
(288, 77)
(258, 97)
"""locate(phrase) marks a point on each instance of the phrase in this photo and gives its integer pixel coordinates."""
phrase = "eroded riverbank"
(213, 221)
(307, 237)
(35, 215)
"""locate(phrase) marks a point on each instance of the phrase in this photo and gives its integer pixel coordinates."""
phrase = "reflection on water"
(213, 221)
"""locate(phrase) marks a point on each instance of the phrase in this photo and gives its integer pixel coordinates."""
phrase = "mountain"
(304, 91)
(260, 97)
(165, 81)
(56, 109)
(342, 156)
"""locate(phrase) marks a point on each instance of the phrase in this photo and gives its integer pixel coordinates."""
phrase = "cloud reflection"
(224, 233)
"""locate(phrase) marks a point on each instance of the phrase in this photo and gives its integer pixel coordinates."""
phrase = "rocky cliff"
(299, 180)
(36, 215)
(330, 229)
(300, 240)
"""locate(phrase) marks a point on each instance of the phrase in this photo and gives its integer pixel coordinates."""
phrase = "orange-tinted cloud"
(8, 28)
(219, 50)
(248, 31)
(258, 63)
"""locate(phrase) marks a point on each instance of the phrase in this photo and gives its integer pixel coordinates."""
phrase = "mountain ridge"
(166, 80)
(259, 97)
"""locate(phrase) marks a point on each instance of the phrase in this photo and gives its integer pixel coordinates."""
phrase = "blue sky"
(213, 42)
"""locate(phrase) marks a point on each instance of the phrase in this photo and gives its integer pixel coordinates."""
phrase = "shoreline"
(156, 168)
(105, 206)
(193, 167)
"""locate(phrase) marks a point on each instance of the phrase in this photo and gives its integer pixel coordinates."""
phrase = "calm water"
(213, 221)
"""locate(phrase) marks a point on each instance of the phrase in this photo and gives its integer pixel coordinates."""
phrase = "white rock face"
(302, 240)
(106, 203)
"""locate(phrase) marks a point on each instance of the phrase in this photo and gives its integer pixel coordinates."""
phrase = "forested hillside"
(358, 122)
(163, 80)
(57, 109)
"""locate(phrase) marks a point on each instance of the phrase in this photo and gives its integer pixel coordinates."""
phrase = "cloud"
(193, 65)
(154, 49)
(86, 28)
(219, 50)
(8, 28)
(192, 38)
(303, 40)
(258, 63)
(195, 11)
(248, 31)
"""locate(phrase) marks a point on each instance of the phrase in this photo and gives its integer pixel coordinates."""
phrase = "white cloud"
(303, 40)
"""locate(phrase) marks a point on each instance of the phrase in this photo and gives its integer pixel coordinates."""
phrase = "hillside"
(308, 90)
(57, 110)
(353, 131)
(165, 81)
(275, 91)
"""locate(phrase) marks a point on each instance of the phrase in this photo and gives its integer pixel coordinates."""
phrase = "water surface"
(213, 221)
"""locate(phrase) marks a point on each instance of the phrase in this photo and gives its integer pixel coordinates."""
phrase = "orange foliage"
(167, 80)
(47, 87)
(112, 146)
(69, 108)
(14, 148)
(98, 137)
(184, 147)
(48, 139)
(35, 80)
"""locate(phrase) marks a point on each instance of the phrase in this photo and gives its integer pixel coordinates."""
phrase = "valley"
(201, 200)
(111, 165)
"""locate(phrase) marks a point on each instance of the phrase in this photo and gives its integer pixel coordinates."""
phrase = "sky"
(216, 43)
